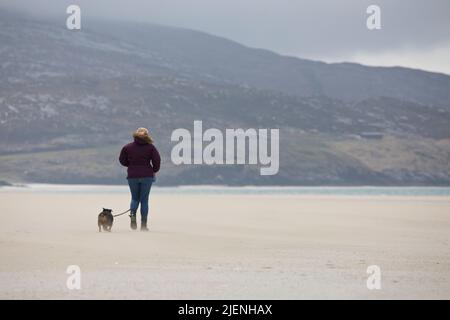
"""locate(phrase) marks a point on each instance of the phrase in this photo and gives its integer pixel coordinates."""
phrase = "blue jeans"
(140, 190)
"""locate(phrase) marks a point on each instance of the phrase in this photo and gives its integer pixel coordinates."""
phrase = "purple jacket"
(141, 158)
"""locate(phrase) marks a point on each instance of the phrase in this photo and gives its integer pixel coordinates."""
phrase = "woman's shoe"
(144, 225)
(133, 224)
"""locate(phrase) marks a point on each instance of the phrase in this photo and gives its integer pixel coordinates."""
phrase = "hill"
(69, 101)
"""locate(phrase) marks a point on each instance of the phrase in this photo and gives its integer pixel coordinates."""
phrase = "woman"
(143, 161)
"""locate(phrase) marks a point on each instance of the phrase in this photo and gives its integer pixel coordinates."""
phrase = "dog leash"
(116, 215)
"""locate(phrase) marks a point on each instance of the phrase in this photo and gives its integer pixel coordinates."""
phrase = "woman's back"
(141, 158)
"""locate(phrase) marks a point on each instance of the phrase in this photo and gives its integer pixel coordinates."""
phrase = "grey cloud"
(315, 28)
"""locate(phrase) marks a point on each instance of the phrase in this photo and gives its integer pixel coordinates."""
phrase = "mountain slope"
(69, 100)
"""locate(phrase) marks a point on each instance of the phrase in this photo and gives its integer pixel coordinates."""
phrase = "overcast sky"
(415, 33)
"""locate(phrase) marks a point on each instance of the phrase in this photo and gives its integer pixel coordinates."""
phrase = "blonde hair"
(142, 133)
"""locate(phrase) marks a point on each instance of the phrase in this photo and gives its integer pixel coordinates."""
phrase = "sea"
(250, 190)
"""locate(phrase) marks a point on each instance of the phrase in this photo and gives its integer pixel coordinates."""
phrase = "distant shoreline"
(240, 190)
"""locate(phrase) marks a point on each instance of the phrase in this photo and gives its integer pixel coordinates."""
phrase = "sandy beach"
(225, 247)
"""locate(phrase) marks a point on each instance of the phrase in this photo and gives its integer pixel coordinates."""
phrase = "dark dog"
(105, 220)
